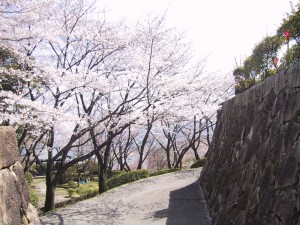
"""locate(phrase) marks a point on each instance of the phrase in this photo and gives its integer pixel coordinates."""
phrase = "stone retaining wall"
(15, 208)
(252, 171)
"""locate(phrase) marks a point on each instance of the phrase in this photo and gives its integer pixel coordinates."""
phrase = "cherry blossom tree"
(83, 82)
(67, 60)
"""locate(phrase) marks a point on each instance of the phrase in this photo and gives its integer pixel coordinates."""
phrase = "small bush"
(71, 191)
(29, 178)
(198, 163)
(33, 194)
(164, 171)
(125, 178)
(72, 184)
(89, 189)
(34, 197)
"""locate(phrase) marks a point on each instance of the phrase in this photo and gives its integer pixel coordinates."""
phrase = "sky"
(220, 30)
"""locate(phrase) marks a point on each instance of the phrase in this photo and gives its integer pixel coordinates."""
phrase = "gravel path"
(171, 199)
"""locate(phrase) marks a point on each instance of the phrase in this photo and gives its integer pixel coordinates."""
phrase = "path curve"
(171, 199)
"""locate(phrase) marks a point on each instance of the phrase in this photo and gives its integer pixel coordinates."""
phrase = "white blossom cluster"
(75, 71)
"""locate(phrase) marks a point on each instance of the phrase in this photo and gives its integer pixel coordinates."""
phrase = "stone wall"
(15, 208)
(252, 171)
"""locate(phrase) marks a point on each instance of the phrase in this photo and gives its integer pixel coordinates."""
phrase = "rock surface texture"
(251, 175)
(15, 208)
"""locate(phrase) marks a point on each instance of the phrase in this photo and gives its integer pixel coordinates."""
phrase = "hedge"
(125, 178)
(163, 171)
(198, 163)
(116, 173)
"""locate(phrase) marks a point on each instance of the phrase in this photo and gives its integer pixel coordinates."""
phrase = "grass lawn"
(61, 193)
(39, 185)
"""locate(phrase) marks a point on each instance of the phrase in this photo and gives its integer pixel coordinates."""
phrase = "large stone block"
(15, 208)
(287, 172)
(10, 201)
(8, 147)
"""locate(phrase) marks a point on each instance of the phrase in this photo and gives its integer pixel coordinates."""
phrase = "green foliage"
(116, 173)
(82, 192)
(89, 189)
(70, 174)
(264, 62)
(34, 197)
(263, 55)
(92, 167)
(259, 65)
(72, 184)
(198, 163)
(33, 194)
(291, 57)
(292, 25)
(73, 173)
(29, 178)
(164, 171)
(71, 191)
(125, 178)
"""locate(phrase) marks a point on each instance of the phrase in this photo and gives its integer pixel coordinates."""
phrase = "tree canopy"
(271, 55)
(76, 86)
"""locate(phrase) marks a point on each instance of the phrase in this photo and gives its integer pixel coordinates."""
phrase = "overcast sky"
(222, 30)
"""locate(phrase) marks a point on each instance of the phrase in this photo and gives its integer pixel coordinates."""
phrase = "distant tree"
(156, 160)
(264, 60)
(290, 31)
(261, 64)
(122, 149)
(291, 25)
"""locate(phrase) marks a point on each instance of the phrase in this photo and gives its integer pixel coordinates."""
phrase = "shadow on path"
(59, 216)
(186, 206)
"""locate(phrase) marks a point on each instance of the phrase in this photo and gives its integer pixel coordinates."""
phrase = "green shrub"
(71, 191)
(72, 184)
(70, 174)
(89, 189)
(33, 194)
(198, 163)
(116, 173)
(125, 178)
(29, 178)
(34, 197)
(163, 171)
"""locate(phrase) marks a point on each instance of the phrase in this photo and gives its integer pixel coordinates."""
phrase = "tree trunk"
(168, 159)
(121, 158)
(144, 142)
(103, 164)
(101, 179)
(50, 187)
(140, 164)
(197, 157)
(168, 151)
(50, 196)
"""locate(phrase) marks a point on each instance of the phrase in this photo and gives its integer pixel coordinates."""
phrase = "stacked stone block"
(15, 208)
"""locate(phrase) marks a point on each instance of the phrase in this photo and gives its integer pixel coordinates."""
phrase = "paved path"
(170, 199)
